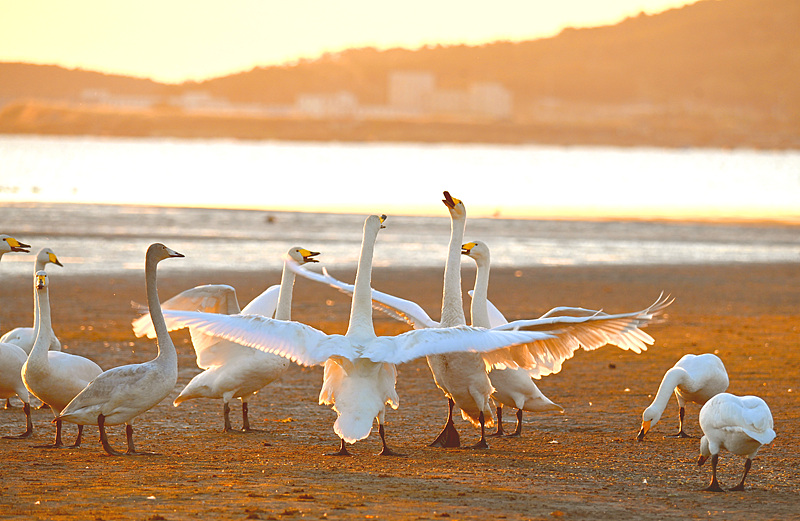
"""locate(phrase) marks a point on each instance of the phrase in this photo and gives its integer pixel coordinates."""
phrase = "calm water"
(49, 187)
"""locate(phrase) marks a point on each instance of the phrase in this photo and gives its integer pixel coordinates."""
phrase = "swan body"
(232, 370)
(122, 393)
(24, 337)
(739, 424)
(54, 377)
(694, 378)
(360, 373)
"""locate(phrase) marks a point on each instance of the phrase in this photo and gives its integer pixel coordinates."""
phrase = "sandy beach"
(582, 464)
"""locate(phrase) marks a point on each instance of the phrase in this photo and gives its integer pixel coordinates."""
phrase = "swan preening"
(24, 337)
(12, 357)
(694, 378)
(739, 424)
(122, 393)
(360, 373)
(54, 377)
(231, 370)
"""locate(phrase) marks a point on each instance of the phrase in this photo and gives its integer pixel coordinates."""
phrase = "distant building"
(337, 104)
(105, 98)
(490, 99)
(410, 91)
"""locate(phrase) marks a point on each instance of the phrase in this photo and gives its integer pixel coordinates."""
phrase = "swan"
(513, 386)
(231, 370)
(54, 377)
(120, 394)
(360, 368)
(694, 378)
(569, 328)
(740, 424)
(12, 357)
(24, 337)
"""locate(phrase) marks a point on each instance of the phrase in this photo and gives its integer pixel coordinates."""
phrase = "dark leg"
(226, 412)
(499, 431)
(714, 486)
(129, 438)
(29, 424)
(245, 421)
(482, 442)
(449, 436)
(101, 424)
(386, 451)
(57, 444)
(8, 404)
(78, 439)
(681, 433)
(341, 452)
(747, 464)
(518, 430)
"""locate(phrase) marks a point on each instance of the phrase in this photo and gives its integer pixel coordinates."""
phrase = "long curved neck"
(480, 295)
(452, 305)
(283, 311)
(671, 379)
(361, 307)
(38, 266)
(43, 331)
(166, 349)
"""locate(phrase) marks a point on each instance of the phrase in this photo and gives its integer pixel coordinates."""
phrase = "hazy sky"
(177, 40)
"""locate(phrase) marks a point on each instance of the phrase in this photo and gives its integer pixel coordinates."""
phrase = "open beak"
(467, 248)
(17, 246)
(448, 200)
(383, 218)
(643, 431)
(308, 256)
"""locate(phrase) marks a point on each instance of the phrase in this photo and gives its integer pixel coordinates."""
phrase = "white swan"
(569, 328)
(24, 337)
(513, 386)
(122, 393)
(230, 369)
(694, 378)
(360, 373)
(12, 357)
(54, 377)
(739, 424)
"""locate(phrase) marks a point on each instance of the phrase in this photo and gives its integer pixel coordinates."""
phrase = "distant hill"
(714, 73)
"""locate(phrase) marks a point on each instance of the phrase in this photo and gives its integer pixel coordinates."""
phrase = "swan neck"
(671, 379)
(43, 331)
(283, 310)
(452, 304)
(480, 295)
(361, 306)
(166, 349)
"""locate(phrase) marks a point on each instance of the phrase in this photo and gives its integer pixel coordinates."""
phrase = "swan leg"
(499, 431)
(680, 433)
(482, 442)
(747, 464)
(385, 451)
(245, 420)
(8, 404)
(226, 413)
(28, 427)
(449, 436)
(518, 430)
(101, 424)
(714, 485)
(57, 444)
(78, 439)
(341, 452)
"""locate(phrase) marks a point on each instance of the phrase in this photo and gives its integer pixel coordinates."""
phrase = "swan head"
(477, 250)
(302, 255)
(705, 451)
(46, 255)
(158, 252)
(10, 244)
(375, 222)
(650, 418)
(455, 206)
(40, 279)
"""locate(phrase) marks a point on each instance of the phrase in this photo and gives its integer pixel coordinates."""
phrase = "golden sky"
(178, 40)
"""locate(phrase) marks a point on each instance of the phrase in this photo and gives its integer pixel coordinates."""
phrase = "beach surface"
(582, 464)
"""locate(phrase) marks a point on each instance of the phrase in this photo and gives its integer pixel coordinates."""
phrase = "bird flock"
(481, 366)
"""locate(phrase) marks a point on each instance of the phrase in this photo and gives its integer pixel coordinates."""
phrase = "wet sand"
(582, 464)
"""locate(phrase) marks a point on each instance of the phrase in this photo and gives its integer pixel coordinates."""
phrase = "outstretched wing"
(298, 342)
(265, 304)
(209, 298)
(395, 307)
(589, 331)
